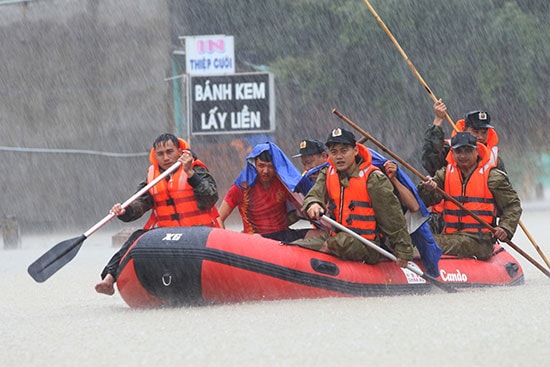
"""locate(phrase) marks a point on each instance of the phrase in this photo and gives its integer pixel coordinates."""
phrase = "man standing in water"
(185, 198)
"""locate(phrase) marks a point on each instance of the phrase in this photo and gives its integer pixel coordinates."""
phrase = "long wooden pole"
(411, 66)
(534, 243)
(439, 190)
(434, 98)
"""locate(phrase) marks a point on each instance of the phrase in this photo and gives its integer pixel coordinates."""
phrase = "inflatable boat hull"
(198, 265)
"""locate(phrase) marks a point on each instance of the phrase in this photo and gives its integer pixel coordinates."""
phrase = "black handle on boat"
(439, 190)
(59, 255)
(446, 287)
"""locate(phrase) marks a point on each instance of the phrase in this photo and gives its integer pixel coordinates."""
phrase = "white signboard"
(232, 104)
(210, 55)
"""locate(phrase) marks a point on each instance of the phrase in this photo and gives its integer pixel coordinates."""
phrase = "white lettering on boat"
(412, 277)
(453, 277)
(172, 237)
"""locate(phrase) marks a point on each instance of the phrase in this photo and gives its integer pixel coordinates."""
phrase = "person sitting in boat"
(359, 196)
(185, 198)
(263, 195)
(435, 149)
(313, 157)
(472, 178)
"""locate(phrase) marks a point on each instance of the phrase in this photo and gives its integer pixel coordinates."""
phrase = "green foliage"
(475, 54)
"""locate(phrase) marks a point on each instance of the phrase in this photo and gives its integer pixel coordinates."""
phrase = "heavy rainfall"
(87, 85)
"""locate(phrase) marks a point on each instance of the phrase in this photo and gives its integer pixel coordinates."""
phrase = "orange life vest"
(474, 195)
(352, 205)
(175, 203)
(491, 144)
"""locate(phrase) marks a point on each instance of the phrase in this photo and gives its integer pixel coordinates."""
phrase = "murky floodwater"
(63, 322)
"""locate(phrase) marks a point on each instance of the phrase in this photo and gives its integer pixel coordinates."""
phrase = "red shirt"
(263, 210)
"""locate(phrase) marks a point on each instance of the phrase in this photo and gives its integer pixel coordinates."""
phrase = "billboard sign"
(209, 55)
(232, 104)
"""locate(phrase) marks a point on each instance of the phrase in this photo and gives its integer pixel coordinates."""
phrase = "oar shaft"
(389, 255)
(133, 198)
(370, 244)
(439, 190)
(434, 98)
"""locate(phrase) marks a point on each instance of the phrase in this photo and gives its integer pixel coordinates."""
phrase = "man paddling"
(185, 198)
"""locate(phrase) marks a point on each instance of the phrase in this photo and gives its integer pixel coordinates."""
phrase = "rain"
(86, 86)
(87, 79)
(77, 76)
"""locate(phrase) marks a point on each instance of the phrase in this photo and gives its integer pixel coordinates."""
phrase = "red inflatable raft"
(198, 265)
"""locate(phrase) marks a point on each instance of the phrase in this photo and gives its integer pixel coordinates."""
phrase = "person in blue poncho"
(263, 192)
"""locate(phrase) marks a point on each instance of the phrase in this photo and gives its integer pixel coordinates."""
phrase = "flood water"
(63, 322)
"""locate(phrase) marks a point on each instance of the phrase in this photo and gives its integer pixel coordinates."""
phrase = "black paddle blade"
(53, 260)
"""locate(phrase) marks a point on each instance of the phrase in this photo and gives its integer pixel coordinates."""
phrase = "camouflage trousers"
(342, 245)
(464, 244)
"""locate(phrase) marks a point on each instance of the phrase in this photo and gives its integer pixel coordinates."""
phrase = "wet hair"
(265, 156)
(165, 138)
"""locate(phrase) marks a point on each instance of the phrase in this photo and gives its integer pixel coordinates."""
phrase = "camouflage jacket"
(389, 216)
(506, 198)
(436, 148)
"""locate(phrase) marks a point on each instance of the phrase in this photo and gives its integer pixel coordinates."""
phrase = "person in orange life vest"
(313, 157)
(471, 178)
(436, 149)
(262, 194)
(477, 123)
(360, 197)
(186, 198)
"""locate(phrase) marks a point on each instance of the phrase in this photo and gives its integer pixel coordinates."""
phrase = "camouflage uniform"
(435, 150)
(389, 218)
(472, 244)
(434, 154)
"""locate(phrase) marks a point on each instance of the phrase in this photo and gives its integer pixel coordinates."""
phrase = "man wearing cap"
(436, 149)
(471, 178)
(477, 123)
(313, 157)
(360, 197)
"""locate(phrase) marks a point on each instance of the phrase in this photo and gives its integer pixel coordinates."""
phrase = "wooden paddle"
(439, 190)
(434, 98)
(59, 255)
(446, 287)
